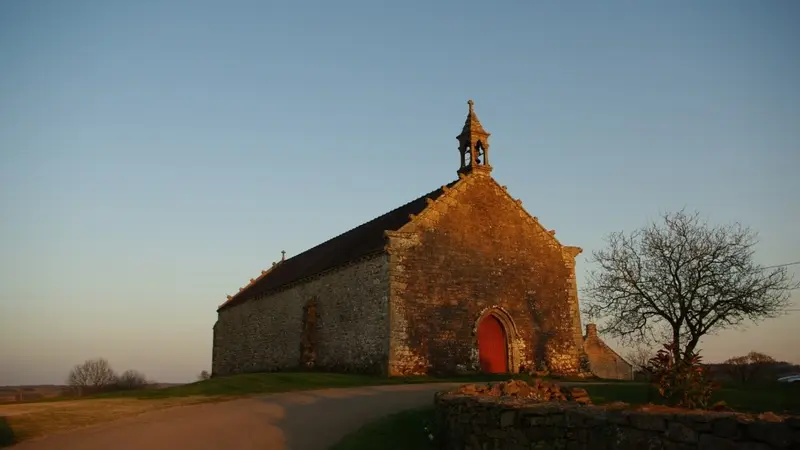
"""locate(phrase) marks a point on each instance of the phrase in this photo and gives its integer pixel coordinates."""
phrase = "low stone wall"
(479, 422)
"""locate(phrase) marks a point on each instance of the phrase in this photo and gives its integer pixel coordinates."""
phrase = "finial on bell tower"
(473, 144)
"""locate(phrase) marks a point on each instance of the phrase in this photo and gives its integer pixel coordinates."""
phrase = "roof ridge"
(446, 190)
(252, 281)
(404, 205)
(313, 266)
(395, 209)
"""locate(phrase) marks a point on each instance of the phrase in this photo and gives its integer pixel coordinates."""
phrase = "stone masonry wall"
(477, 423)
(351, 325)
(472, 252)
(603, 361)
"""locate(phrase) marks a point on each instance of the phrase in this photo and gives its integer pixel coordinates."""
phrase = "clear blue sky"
(157, 154)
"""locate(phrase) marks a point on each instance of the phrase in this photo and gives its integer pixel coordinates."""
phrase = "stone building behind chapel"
(459, 279)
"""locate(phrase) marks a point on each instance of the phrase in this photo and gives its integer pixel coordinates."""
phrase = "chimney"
(591, 330)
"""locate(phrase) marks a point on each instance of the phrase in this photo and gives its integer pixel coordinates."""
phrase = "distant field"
(12, 394)
(29, 420)
(49, 392)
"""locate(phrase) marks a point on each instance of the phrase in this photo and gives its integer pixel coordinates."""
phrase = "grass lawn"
(400, 431)
(265, 383)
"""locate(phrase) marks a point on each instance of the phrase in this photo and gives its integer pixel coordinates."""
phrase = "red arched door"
(492, 349)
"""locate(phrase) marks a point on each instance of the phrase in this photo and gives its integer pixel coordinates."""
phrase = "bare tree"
(680, 280)
(94, 374)
(639, 357)
(131, 379)
(747, 368)
(204, 375)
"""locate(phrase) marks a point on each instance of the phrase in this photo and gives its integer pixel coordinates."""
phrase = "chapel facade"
(462, 279)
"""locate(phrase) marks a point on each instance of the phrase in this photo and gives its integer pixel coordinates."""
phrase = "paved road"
(309, 420)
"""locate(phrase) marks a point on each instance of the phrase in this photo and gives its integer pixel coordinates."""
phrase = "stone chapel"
(461, 279)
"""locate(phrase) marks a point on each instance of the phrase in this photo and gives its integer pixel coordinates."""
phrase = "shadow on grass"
(6, 433)
(410, 429)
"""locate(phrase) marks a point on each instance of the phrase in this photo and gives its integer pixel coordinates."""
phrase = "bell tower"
(473, 144)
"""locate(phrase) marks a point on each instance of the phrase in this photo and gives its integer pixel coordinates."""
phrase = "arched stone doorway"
(496, 342)
(492, 345)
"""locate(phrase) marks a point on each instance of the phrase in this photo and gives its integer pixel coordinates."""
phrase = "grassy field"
(24, 421)
(13, 394)
(265, 383)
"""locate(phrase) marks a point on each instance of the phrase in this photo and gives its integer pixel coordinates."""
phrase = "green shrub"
(6, 433)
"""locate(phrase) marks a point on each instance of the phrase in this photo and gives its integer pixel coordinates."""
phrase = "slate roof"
(361, 241)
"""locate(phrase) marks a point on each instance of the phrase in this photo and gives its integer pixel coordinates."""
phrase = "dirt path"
(309, 420)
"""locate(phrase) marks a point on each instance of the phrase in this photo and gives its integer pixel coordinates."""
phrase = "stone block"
(634, 439)
(601, 437)
(669, 445)
(574, 418)
(776, 434)
(617, 417)
(726, 427)
(712, 442)
(497, 434)
(508, 418)
(544, 433)
(700, 423)
(647, 421)
(750, 445)
(679, 432)
(557, 420)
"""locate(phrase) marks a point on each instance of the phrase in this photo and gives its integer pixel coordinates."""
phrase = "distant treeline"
(753, 372)
(745, 371)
